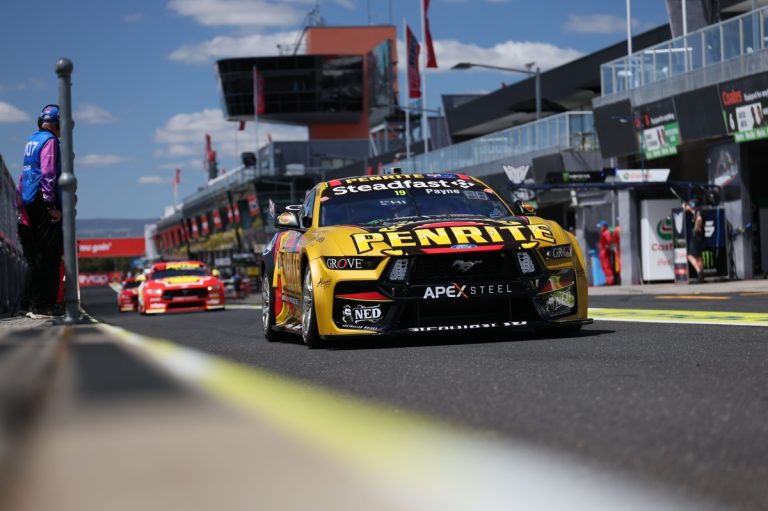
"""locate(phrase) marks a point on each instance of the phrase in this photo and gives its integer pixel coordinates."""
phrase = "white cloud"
(597, 24)
(133, 18)
(239, 13)
(92, 114)
(450, 52)
(99, 160)
(226, 46)
(9, 113)
(347, 4)
(183, 135)
(154, 180)
(29, 83)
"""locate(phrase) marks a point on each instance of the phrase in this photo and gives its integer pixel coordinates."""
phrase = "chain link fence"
(13, 266)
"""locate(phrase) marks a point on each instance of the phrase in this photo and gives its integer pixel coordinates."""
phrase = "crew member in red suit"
(604, 246)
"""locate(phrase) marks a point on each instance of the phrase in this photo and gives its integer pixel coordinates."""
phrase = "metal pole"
(629, 27)
(685, 17)
(538, 93)
(68, 184)
(424, 114)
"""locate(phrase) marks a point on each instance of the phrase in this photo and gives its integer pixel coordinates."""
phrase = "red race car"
(128, 297)
(180, 286)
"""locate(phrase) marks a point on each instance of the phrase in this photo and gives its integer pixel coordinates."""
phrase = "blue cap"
(50, 114)
(693, 204)
(602, 223)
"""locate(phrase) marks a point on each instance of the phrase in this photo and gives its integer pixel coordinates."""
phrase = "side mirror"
(523, 208)
(287, 220)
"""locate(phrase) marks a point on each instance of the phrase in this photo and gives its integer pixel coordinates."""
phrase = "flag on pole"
(413, 49)
(431, 59)
(258, 92)
(177, 179)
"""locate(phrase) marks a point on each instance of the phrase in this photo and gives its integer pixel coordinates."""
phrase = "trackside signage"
(110, 247)
(657, 129)
(744, 102)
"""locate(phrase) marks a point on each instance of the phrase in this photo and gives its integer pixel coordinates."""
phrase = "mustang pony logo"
(392, 240)
(465, 266)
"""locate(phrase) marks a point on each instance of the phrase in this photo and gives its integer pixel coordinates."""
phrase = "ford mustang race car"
(180, 286)
(128, 297)
(418, 253)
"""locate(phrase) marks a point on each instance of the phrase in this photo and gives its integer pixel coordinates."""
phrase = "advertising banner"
(642, 175)
(657, 129)
(110, 247)
(656, 232)
(715, 254)
(98, 279)
(723, 165)
(743, 103)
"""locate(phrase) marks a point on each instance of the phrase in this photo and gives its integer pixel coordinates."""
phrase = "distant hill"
(112, 227)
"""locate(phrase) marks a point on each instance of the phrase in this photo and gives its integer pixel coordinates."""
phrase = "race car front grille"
(468, 267)
(198, 292)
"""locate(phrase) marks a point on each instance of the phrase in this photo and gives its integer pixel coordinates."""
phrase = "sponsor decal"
(323, 283)
(465, 266)
(401, 184)
(345, 263)
(361, 314)
(182, 266)
(392, 240)
(560, 300)
(473, 326)
(467, 291)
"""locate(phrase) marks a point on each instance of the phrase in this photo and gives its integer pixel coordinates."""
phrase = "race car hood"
(442, 235)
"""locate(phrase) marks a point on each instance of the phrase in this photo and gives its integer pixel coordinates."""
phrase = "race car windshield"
(381, 206)
(131, 285)
(185, 272)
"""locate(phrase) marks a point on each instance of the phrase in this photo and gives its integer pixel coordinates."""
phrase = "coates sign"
(744, 103)
(110, 247)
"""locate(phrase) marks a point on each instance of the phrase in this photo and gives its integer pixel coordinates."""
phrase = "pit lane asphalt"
(685, 405)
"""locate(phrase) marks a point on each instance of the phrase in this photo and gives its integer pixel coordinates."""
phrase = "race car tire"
(309, 333)
(268, 312)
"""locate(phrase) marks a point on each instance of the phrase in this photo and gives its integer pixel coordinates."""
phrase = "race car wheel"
(268, 311)
(308, 318)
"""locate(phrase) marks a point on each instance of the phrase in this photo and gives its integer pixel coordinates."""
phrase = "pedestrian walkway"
(731, 286)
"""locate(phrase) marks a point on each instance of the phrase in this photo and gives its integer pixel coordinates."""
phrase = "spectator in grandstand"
(39, 208)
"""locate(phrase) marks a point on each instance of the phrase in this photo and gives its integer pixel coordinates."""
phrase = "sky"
(145, 91)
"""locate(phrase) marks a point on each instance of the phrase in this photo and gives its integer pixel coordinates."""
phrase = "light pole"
(529, 71)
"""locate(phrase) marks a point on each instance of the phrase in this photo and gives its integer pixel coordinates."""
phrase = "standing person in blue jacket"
(39, 203)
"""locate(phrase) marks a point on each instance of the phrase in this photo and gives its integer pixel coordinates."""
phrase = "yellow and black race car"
(417, 253)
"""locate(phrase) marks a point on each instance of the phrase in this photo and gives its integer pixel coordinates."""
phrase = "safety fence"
(13, 266)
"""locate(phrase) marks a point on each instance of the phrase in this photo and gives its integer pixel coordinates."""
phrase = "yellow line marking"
(243, 306)
(692, 297)
(423, 460)
(754, 293)
(681, 317)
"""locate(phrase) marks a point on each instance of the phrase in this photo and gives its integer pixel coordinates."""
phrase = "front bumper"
(545, 298)
(198, 299)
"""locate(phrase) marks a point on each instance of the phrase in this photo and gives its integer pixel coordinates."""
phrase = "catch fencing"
(13, 266)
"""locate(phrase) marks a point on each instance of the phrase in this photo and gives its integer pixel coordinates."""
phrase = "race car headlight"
(398, 271)
(153, 291)
(351, 263)
(526, 263)
(557, 252)
(215, 287)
